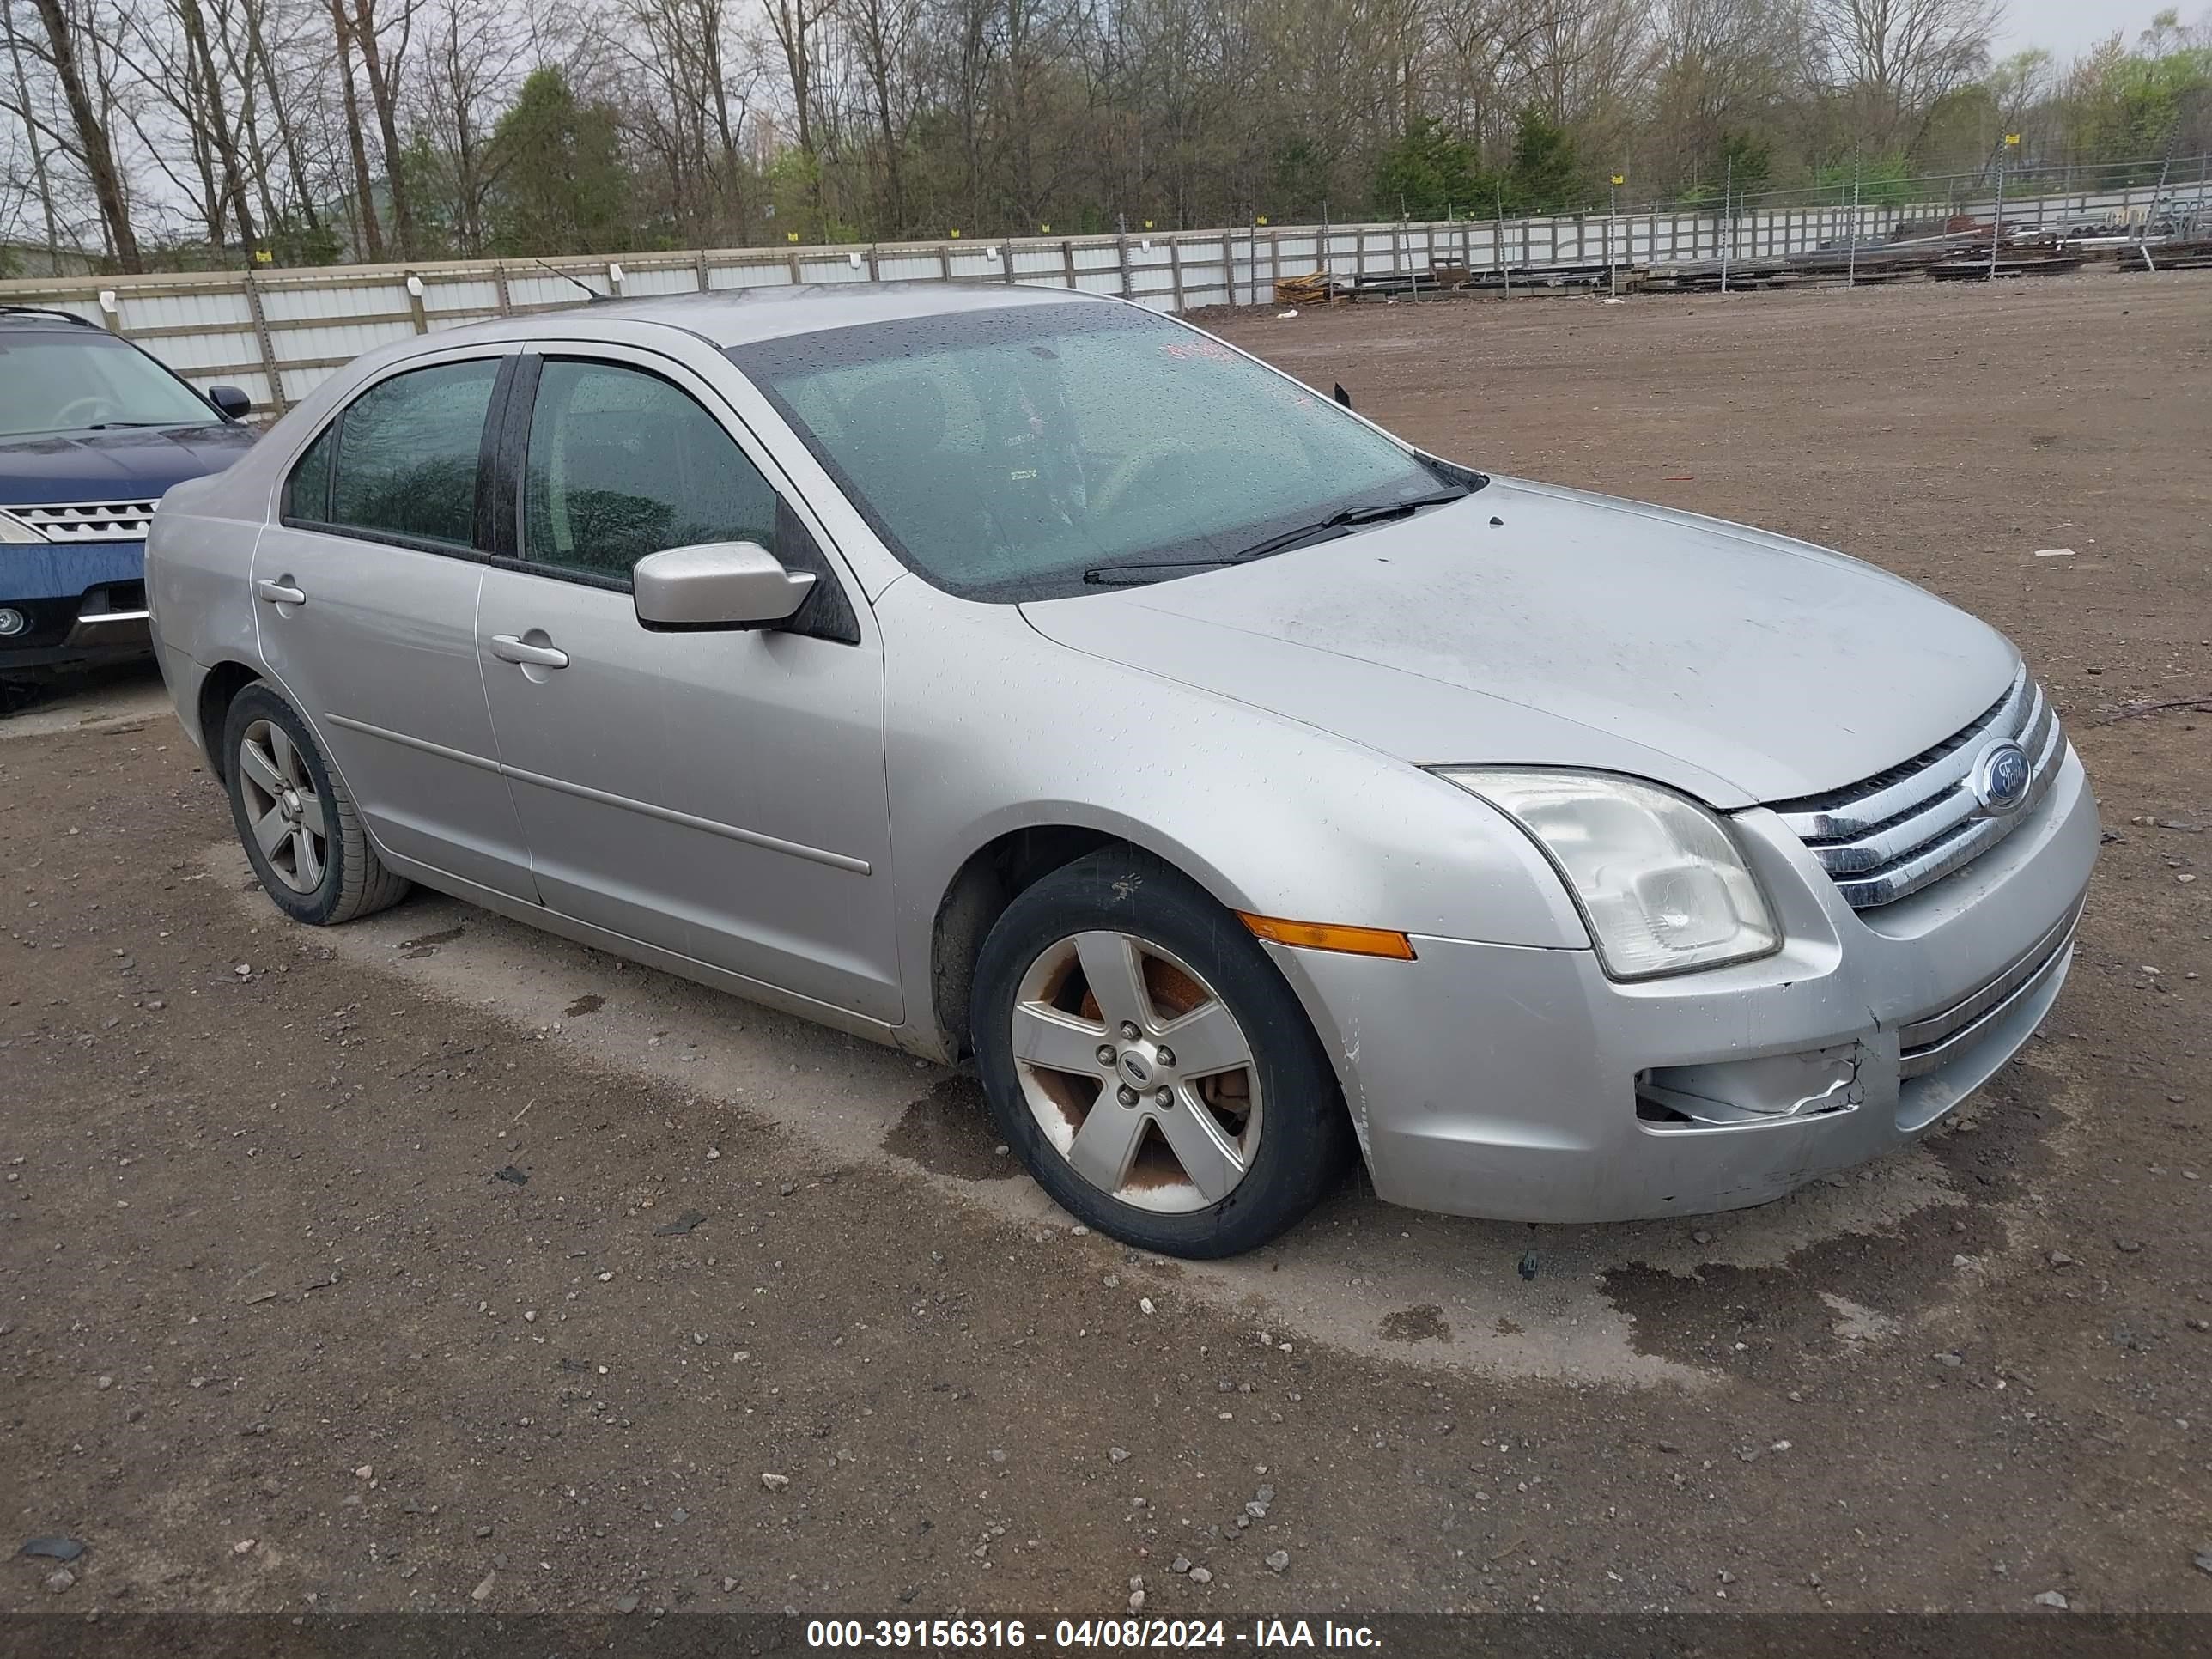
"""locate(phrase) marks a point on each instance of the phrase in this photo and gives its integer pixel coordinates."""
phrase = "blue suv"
(93, 431)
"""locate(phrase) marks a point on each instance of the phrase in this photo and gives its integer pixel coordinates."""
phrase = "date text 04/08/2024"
(1263, 1634)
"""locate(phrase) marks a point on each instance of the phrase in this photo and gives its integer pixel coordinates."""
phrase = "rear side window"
(622, 464)
(409, 450)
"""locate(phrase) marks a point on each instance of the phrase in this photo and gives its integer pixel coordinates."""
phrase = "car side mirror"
(232, 402)
(716, 584)
(1342, 396)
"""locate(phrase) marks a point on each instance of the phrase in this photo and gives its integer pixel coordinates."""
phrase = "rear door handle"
(507, 649)
(271, 593)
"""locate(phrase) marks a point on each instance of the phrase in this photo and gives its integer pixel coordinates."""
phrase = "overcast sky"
(2067, 27)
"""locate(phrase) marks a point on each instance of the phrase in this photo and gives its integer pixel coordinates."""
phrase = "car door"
(368, 588)
(717, 793)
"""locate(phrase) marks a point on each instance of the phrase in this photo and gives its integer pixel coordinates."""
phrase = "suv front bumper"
(93, 609)
(1521, 1084)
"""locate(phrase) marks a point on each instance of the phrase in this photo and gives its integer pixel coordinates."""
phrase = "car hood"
(1531, 625)
(140, 461)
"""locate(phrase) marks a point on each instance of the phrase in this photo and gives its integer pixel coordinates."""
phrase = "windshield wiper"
(1341, 522)
(1350, 518)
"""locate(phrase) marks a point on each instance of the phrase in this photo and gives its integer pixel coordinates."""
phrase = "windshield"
(56, 380)
(1004, 453)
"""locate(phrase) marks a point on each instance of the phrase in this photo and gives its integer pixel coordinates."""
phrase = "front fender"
(992, 728)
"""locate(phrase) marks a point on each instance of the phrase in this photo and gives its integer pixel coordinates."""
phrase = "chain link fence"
(277, 334)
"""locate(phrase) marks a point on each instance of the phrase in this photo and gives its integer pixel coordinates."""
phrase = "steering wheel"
(91, 404)
(1140, 463)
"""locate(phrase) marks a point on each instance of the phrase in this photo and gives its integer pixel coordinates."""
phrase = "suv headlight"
(1659, 879)
(14, 531)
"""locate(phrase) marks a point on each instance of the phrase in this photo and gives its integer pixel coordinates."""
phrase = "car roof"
(43, 317)
(734, 316)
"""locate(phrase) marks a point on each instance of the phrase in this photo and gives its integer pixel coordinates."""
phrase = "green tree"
(1300, 170)
(1747, 161)
(564, 188)
(294, 239)
(1431, 175)
(430, 192)
(1883, 180)
(2124, 107)
(1545, 175)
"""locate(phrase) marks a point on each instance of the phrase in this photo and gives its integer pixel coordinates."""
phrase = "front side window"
(622, 464)
(1005, 453)
(409, 450)
(307, 491)
(81, 380)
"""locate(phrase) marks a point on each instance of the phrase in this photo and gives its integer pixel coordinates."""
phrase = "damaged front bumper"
(1521, 1084)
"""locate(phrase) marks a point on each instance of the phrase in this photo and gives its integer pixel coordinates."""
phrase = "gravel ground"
(431, 1264)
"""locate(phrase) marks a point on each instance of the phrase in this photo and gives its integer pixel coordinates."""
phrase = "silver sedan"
(1019, 675)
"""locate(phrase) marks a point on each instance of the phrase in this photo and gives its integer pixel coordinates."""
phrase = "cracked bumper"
(1504, 1081)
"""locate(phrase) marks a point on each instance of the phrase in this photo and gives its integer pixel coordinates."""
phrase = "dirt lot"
(359, 1270)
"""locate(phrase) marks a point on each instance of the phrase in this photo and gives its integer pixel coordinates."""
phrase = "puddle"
(948, 1132)
(589, 1003)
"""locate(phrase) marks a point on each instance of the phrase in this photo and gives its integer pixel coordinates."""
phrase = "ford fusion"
(1020, 676)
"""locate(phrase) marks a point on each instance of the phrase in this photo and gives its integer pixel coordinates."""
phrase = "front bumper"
(80, 604)
(1523, 1085)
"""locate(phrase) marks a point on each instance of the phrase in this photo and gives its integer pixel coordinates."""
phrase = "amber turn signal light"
(1330, 936)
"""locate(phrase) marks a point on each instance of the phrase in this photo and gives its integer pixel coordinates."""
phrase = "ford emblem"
(2000, 779)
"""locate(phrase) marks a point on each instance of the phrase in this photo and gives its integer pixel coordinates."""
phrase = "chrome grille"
(87, 521)
(1910, 827)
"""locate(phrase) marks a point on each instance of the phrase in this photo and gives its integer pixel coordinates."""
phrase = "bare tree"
(86, 140)
(882, 36)
(1719, 67)
(796, 25)
(382, 43)
(41, 179)
(222, 137)
(364, 186)
(1892, 59)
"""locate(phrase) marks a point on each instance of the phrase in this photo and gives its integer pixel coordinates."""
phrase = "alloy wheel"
(1137, 1071)
(282, 807)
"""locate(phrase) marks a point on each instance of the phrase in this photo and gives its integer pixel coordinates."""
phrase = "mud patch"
(1423, 1324)
(427, 944)
(949, 1133)
(589, 1003)
(1779, 1322)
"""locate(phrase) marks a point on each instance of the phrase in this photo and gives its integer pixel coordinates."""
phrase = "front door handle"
(507, 649)
(283, 593)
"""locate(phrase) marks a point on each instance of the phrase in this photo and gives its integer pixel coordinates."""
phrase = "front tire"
(1150, 1066)
(295, 818)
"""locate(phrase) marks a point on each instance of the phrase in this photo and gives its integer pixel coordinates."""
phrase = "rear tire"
(1148, 1063)
(295, 818)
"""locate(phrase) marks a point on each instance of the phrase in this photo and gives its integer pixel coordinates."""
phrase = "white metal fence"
(277, 334)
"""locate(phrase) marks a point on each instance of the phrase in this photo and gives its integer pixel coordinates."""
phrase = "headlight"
(1659, 879)
(15, 530)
